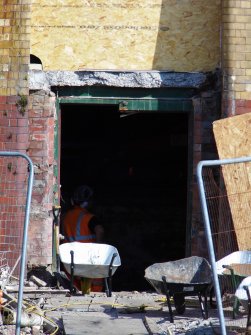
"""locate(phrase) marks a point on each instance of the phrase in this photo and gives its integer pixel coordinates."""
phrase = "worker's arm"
(97, 229)
(99, 232)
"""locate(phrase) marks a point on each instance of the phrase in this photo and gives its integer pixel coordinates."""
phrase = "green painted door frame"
(164, 100)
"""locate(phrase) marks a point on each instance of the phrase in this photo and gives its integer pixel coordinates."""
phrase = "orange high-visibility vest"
(76, 226)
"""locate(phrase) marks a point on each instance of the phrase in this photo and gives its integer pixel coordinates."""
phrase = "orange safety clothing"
(76, 226)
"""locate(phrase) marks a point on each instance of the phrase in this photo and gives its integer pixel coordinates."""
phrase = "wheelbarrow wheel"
(179, 303)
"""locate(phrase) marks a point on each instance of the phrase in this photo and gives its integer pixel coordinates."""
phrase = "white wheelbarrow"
(238, 259)
(231, 270)
(243, 294)
(90, 260)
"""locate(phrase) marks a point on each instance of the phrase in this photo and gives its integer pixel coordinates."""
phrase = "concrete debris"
(27, 319)
(31, 284)
(36, 330)
(15, 288)
(27, 289)
(192, 327)
(37, 281)
(4, 275)
(33, 318)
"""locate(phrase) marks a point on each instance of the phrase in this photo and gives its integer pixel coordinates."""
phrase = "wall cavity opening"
(35, 63)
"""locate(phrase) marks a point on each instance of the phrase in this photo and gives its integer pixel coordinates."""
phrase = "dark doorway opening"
(137, 165)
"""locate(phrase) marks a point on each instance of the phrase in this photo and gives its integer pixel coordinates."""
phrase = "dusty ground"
(131, 312)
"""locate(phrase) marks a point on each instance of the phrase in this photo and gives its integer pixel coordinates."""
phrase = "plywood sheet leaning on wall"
(232, 136)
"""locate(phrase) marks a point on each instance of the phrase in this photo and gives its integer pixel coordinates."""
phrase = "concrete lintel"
(152, 79)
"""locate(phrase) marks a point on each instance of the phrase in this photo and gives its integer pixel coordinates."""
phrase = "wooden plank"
(232, 136)
(15, 289)
(243, 270)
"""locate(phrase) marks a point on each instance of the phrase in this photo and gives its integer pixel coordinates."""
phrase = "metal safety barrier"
(16, 181)
(225, 195)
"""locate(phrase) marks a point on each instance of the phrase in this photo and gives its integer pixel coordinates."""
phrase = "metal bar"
(234, 285)
(25, 233)
(211, 248)
(203, 305)
(109, 279)
(72, 271)
(55, 247)
(106, 287)
(207, 226)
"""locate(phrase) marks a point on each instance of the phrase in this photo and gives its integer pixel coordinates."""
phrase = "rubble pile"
(33, 318)
(46, 310)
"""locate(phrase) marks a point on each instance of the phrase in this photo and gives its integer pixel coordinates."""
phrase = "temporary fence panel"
(16, 180)
(225, 194)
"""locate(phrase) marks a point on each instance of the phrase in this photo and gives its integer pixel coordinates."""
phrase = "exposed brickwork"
(236, 57)
(13, 137)
(206, 111)
(41, 150)
(14, 60)
(26, 125)
(14, 47)
(13, 189)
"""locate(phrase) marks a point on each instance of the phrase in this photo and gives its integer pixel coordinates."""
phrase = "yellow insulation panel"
(170, 35)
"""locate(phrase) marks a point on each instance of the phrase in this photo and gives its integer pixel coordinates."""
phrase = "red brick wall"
(14, 125)
(14, 60)
(236, 107)
(13, 177)
(30, 132)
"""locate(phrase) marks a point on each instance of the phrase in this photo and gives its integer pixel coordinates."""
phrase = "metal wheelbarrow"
(185, 277)
(231, 270)
(243, 294)
(90, 260)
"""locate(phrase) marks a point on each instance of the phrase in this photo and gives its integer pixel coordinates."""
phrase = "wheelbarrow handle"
(72, 271)
(246, 288)
(108, 281)
(168, 299)
(227, 267)
(56, 210)
(234, 284)
(111, 263)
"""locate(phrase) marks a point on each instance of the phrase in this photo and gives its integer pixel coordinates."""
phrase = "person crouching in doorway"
(80, 225)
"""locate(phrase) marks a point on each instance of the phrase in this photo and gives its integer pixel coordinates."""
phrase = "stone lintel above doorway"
(141, 79)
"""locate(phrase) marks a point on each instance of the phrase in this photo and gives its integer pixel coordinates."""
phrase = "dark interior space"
(137, 165)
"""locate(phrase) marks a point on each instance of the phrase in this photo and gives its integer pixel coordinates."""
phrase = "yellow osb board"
(233, 140)
(175, 35)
